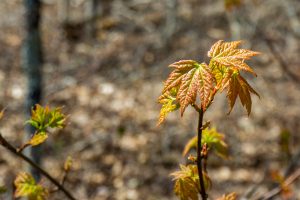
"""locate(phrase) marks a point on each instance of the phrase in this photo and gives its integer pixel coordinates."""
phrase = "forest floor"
(109, 86)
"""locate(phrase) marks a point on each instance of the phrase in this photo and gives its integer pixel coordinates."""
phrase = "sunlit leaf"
(38, 138)
(190, 79)
(238, 86)
(169, 104)
(27, 187)
(227, 54)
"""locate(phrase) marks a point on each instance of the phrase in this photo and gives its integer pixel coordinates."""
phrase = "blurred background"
(105, 62)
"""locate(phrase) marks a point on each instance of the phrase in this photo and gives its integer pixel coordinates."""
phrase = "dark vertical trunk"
(32, 63)
(91, 10)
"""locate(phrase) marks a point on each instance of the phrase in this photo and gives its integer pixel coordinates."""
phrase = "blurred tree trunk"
(32, 63)
(171, 21)
(64, 11)
(91, 12)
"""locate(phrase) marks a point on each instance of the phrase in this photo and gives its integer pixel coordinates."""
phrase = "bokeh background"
(106, 66)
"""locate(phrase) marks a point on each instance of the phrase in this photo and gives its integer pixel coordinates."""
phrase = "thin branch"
(278, 189)
(13, 150)
(199, 157)
(279, 58)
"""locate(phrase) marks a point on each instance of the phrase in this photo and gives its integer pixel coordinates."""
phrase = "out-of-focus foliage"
(27, 187)
(231, 196)
(68, 164)
(43, 118)
(230, 4)
(2, 189)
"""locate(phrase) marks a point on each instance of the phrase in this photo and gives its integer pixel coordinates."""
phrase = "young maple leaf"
(227, 54)
(169, 104)
(191, 78)
(238, 86)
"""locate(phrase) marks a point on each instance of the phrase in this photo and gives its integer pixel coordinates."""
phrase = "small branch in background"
(293, 177)
(279, 58)
(13, 150)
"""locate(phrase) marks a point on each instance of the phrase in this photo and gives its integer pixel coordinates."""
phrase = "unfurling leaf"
(38, 138)
(43, 118)
(231, 196)
(187, 182)
(169, 104)
(213, 139)
(27, 187)
(68, 163)
(226, 54)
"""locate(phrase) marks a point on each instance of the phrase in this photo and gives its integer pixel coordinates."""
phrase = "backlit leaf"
(169, 104)
(27, 187)
(226, 54)
(238, 86)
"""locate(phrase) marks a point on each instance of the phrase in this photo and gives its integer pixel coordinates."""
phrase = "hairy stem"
(199, 157)
(13, 150)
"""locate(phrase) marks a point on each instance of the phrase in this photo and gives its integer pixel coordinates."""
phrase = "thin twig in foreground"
(13, 150)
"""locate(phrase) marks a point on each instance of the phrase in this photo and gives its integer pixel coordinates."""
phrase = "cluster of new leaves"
(214, 141)
(27, 187)
(226, 63)
(187, 182)
(42, 119)
(190, 78)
